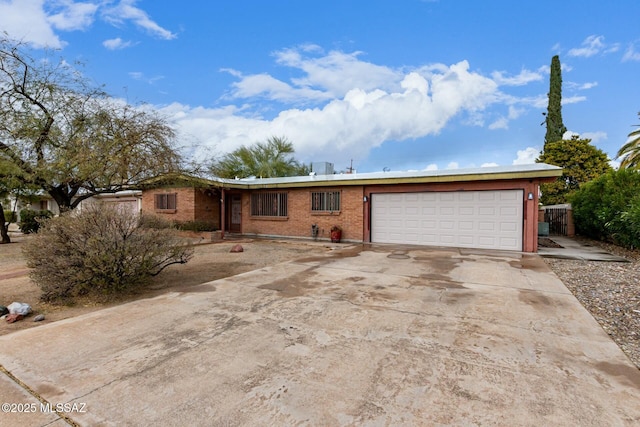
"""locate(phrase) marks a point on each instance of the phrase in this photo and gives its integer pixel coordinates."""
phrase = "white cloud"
(137, 75)
(26, 20)
(589, 85)
(593, 45)
(489, 165)
(126, 10)
(631, 54)
(514, 112)
(117, 43)
(593, 136)
(525, 77)
(266, 86)
(340, 106)
(526, 156)
(38, 22)
(431, 167)
(73, 16)
(500, 123)
(453, 165)
(337, 72)
(573, 99)
(379, 104)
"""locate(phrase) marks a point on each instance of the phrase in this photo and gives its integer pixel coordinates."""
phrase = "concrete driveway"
(368, 335)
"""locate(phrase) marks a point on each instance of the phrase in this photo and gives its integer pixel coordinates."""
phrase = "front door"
(235, 220)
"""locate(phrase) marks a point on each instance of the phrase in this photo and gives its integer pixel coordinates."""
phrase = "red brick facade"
(202, 202)
(300, 217)
(192, 204)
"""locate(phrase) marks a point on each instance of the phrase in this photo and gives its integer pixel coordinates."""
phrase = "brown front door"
(235, 214)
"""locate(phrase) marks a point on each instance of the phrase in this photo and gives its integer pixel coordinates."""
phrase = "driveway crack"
(38, 396)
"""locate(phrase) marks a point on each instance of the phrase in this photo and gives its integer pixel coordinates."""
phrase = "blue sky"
(403, 85)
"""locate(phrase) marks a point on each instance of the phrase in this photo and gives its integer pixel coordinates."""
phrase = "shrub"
(196, 226)
(607, 207)
(155, 221)
(30, 220)
(99, 252)
(10, 217)
(624, 229)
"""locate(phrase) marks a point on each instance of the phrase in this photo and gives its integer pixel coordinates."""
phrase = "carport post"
(222, 214)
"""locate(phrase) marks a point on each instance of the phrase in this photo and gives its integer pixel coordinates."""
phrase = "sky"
(380, 85)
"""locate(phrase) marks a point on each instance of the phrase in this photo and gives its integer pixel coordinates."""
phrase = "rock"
(14, 317)
(237, 248)
(39, 318)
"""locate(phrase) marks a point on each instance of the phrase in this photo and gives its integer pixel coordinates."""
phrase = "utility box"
(543, 229)
(322, 168)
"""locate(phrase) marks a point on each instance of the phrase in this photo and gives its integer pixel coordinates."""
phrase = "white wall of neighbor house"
(129, 201)
(43, 204)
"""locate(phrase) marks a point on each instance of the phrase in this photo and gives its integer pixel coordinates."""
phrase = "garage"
(488, 219)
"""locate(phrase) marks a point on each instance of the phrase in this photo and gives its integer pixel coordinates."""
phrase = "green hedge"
(10, 216)
(30, 219)
(608, 208)
(196, 226)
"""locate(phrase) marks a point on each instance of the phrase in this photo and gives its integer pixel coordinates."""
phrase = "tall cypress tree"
(555, 127)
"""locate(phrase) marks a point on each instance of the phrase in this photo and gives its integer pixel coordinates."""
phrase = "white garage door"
(467, 219)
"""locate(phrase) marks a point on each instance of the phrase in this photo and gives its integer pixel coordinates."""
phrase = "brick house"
(492, 208)
(183, 199)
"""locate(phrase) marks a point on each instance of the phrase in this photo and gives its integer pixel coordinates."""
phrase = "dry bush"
(100, 251)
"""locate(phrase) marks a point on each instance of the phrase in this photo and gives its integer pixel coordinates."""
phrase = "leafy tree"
(553, 119)
(10, 185)
(71, 139)
(6, 185)
(581, 162)
(270, 159)
(630, 152)
(4, 227)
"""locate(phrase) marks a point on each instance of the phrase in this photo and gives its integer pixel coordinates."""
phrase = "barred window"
(166, 201)
(325, 201)
(269, 204)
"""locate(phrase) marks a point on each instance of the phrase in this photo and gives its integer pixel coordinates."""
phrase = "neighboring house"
(491, 208)
(129, 200)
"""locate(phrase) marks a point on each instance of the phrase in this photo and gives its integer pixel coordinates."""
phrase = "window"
(166, 201)
(325, 201)
(269, 204)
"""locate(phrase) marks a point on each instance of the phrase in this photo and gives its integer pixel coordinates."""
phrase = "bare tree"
(68, 137)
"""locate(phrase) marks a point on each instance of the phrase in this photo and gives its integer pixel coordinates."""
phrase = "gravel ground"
(610, 291)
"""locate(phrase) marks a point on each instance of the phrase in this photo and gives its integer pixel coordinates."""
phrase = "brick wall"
(300, 218)
(207, 206)
(192, 204)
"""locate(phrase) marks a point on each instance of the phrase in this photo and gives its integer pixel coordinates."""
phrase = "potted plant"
(336, 234)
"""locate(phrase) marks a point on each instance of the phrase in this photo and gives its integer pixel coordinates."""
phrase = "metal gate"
(557, 219)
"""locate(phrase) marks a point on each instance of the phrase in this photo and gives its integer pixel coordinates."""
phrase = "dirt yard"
(211, 261)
